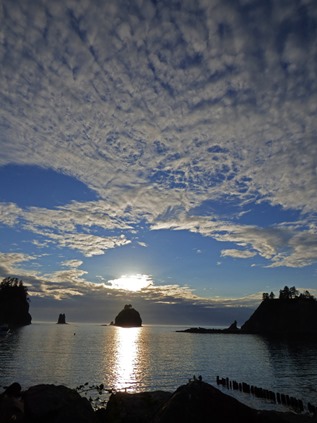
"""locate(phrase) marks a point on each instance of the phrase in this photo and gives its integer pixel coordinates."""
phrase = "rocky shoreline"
(196, 401)
(208, 330)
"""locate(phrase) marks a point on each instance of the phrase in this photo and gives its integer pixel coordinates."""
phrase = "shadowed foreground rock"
(134, 408)
(201, 402)
(56, 404)
(195, 402)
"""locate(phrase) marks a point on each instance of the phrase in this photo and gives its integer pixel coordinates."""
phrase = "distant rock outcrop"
(289, 317)
(14, 303)
(128, 317)
(233, 328)
(61, 319)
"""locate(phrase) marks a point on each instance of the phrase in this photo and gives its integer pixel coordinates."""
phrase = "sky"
(158, 153)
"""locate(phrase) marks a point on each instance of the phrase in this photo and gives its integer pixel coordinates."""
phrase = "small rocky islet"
(61, 319)
(128, 318)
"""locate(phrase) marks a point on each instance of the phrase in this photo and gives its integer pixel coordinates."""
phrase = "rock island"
(128, 318)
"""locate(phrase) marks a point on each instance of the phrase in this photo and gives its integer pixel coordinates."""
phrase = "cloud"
(9, 214)
(237, 253)
(134, 283)
(290, 245)
(165, 80)
(88, 245)
(72, 263)
(67, 227)
(10, 262)
(303, 251)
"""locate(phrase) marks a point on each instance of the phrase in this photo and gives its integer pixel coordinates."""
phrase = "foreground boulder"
(195, 402)
(134, 408)
(11, 404)
(56, 404)
(200, 402)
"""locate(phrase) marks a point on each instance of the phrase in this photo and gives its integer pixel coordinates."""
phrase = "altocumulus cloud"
(160, 107)
(237, 253)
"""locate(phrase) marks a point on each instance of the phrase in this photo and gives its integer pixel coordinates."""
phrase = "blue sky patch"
(29, 186)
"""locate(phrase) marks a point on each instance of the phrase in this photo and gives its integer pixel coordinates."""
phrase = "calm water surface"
(154, 357)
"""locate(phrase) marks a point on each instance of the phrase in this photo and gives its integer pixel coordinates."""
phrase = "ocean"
(156, 358)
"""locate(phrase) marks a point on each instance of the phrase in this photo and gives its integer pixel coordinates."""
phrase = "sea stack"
(128, 317)
(14, 303)
(286, 317)
(61, 319)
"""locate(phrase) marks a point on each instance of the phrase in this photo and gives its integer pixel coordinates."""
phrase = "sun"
(131, 282)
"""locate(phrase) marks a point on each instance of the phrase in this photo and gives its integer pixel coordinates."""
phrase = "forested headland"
(14, 303)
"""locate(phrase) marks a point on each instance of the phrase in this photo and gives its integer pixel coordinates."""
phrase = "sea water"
(155, 358)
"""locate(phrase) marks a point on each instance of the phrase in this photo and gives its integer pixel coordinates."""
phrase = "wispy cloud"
(9, 214)
(237, 253)
(291, 245)
(11, 262)
(72, 263)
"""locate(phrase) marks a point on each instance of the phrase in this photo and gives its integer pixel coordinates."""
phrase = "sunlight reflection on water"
(126, 359)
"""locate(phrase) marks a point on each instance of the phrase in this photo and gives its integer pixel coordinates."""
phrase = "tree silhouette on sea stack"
(128, 317)
(14, 303)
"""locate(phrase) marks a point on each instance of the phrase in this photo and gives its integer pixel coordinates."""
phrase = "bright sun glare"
(131, 282)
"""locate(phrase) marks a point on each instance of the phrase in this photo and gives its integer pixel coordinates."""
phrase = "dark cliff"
(291, 317)
(128, 317)
(14, 303)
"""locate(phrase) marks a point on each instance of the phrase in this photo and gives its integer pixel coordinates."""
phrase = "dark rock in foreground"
(45, 403)
(50, 403)
(137, 408)
(200, 402)
(195, 402)
(128, 317)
